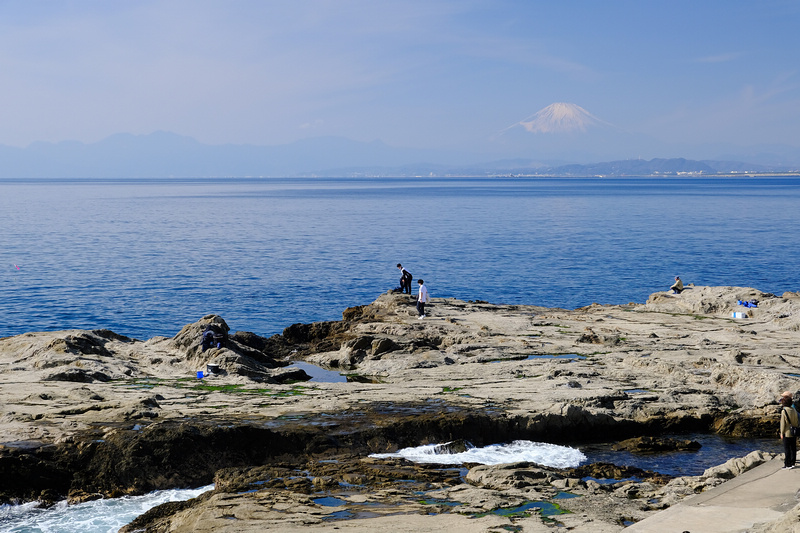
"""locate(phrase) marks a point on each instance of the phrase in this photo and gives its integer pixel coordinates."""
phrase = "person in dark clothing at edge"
(405, 279)
(789, 419)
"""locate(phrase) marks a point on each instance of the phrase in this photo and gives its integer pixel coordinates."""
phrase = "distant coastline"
(793, 174)
(377, 175)
(640, 168)
(167, 155)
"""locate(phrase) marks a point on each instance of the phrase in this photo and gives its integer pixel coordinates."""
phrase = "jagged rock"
(287, 375)
(145, 408)
(77, 375)
(380, 346)
(316, 333)
(656, 444)
(251, 340)
(456, 446)
(603, 470)
(738, 465)
(190, 338)
(80, 344)
(504, 476)
(362, 342)
(590, 337)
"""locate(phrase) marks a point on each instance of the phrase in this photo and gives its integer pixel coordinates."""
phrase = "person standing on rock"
(789, 419)
(422, 299)
(405, 279)
(677, 287)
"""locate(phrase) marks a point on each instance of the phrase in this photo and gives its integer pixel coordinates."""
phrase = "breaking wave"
(541, 453)
(98, 516)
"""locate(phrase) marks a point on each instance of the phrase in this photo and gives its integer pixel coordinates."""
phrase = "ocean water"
(97, 516)
(145, 257)
(714, 450)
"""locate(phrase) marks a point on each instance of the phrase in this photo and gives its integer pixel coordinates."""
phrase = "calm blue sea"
(145, 257)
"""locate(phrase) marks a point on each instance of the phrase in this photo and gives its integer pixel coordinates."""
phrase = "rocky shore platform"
(93, 414)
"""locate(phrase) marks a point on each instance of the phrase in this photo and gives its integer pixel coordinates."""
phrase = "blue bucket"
(199, 374)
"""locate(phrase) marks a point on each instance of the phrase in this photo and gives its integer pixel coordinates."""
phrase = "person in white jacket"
(422, 299)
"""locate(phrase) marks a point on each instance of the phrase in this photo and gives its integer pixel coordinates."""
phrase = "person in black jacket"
(405, 279)
(208, 338)
(214, 337)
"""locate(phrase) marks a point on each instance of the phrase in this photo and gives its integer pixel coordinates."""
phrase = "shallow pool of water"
(318, 374)
(715, 450)
(568, 356)
(329, 501)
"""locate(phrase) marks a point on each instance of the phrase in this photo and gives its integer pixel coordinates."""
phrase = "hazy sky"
(425, 73)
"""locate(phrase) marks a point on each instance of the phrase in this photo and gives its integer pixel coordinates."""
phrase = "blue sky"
(428, 73)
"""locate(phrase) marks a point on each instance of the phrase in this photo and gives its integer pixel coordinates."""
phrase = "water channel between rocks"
(715, 449)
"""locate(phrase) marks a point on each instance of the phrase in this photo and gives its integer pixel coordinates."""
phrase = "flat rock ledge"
(87, 414)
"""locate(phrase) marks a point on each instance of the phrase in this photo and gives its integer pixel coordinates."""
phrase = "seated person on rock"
(677, 287)
(208, 338)
(212, 336)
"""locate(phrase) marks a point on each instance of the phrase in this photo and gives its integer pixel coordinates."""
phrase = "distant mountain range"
(163, 154)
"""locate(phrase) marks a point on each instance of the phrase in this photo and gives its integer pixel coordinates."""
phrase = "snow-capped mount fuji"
(568, 132)
(561, 117)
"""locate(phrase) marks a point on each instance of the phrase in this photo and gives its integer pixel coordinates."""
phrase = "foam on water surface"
(98, 516)
(541, 453)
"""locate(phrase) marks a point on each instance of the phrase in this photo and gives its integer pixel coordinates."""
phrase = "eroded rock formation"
(92, 414)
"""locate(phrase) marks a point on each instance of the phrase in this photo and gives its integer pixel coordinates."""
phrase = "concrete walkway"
(763, 494)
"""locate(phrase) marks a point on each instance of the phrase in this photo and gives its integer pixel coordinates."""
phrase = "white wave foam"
(98, 516)
(541, 453)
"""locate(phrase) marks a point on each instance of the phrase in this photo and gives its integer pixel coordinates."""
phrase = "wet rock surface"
(653, 444)
(89, 414)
